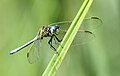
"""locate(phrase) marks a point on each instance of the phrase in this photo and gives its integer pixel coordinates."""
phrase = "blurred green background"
(21, 19)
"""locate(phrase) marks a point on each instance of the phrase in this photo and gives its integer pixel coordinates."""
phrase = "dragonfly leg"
(51, 46)
(57, 40)
(57, 43)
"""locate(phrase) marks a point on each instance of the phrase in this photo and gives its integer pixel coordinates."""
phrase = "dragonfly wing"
(83, 37)
(91, 23)
(84, 34)
(87, 24)
(34, 52)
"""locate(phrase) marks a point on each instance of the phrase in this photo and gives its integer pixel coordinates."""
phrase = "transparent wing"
(83, 37)
(88, 24)
(91, 23)
(34, 52)
(84, 34)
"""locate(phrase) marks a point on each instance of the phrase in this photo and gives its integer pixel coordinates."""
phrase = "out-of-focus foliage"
(21, 19)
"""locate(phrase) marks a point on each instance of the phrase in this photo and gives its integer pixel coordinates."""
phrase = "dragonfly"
(56, 32)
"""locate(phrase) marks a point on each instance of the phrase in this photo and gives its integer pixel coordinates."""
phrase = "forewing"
(34, 52)
(91, 23)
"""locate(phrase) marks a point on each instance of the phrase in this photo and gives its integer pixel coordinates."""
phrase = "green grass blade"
(56, 60)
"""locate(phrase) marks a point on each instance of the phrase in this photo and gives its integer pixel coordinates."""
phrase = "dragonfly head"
(55, 29)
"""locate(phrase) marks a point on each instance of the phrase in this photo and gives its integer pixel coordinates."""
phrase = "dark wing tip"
(97, 18)
(27, 55)
(94, 17)
(90, 32)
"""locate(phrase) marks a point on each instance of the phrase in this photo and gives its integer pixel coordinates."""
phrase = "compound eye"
(57, 26)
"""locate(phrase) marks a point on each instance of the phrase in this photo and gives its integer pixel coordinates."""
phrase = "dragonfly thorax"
(55, 29)
(48, 31)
